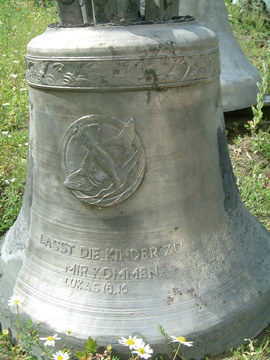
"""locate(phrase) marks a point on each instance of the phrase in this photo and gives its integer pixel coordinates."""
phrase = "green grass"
(13, 154)
(251, 27)
(251, 165)
(20, 21)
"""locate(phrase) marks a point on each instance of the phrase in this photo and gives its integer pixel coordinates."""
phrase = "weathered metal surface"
(239, 76)
(134, 216)
(133, 72)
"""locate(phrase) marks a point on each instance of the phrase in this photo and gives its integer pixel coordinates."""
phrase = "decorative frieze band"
(116, 73)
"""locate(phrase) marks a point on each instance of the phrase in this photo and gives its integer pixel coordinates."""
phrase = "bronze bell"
(239, 77)
(131, 216)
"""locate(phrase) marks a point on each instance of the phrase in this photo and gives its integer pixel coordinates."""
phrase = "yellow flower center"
(141, 351)
(60, 357)
(181, 339)
(5, 332)
(130, 342)
(50, 338)
(16, 301)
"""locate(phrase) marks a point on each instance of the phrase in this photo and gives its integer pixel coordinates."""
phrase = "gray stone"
(239, 77)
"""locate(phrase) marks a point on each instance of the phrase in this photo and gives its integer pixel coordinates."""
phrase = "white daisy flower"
(50, 340)
(182, 340)
(130, 342)
(5, 332)
(143, 350)
(15, 301)
(60, 355)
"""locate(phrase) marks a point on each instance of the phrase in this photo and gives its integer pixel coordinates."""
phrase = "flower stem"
(176, 353)
(65, 344)
(18, 325)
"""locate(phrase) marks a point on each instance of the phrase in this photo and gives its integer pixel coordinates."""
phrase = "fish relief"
(103, 159)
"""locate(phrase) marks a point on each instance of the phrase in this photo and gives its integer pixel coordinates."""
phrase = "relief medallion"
(103, 159)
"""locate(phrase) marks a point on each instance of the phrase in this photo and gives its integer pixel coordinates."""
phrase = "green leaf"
(80, 355)
(91, 346)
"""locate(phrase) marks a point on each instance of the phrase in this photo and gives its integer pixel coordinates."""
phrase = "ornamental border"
(123, 73)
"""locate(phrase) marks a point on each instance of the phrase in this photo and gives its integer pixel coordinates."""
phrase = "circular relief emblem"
(103, 159)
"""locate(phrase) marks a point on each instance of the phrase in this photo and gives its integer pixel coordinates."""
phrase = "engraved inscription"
(58, 246)
(120, 255)
(103, 159)
(94, 287)
(112, 255)
(173, 248)
(139, 272)
(88, 273)
(108, 273)
(76, 269)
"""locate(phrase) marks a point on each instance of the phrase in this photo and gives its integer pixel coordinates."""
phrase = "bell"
(131, 217)
(239, 77)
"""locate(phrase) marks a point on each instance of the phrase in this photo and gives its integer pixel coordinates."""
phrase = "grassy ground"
(251, 28)
(22, 20)
(250, 153)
